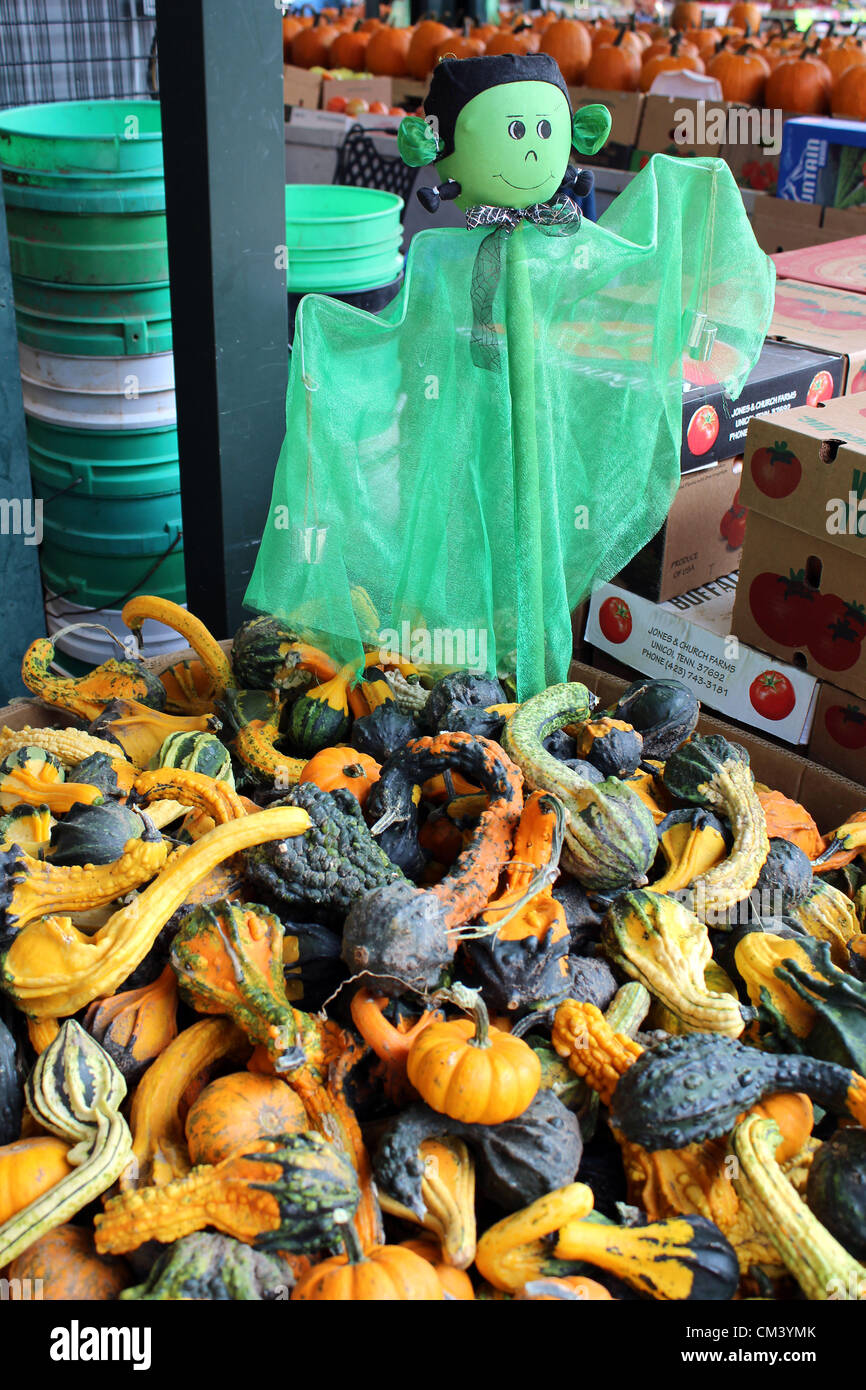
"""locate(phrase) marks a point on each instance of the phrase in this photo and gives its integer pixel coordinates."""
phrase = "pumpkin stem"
(354, 1251)
(471, 1002)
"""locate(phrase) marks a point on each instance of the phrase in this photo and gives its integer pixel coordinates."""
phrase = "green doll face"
(511, 145)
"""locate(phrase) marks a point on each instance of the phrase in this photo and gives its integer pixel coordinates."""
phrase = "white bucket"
(98, 392)
(92, 646)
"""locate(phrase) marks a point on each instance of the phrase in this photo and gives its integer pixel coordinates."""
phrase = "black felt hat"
(457, 80)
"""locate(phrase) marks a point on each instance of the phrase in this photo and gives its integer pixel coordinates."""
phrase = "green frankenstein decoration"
(461, 470)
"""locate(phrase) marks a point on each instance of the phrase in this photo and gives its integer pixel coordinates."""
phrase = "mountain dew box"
(823, 161)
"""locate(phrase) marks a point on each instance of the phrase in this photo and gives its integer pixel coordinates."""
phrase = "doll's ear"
(590, 127)
(417, 142)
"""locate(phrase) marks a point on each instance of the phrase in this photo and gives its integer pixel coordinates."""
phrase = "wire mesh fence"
(73, 50)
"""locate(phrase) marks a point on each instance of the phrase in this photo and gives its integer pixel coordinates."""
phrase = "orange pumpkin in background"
(802, 85)
(686, 15)
(311, 47)
(849, 94)
(745, 16)
(388, 52)
(349, 50)
(613, 67)
(459, 46)
(427, 37)
(568, 42)
(742, 73)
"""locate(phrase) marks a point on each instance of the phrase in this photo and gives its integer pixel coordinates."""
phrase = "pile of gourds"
(373, 984)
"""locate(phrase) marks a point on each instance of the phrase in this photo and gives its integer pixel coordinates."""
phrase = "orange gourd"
(390, 1043)
(793, 1113)
(239, 1113)
(568, 42)
(472, 1072)
(28, 1169)
(63, 1266)
(566, 1286)
(788, 820)
(342, 767)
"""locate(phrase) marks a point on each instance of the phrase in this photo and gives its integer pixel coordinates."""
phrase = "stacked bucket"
(85, 207)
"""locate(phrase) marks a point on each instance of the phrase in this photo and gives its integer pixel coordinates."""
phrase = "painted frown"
(511, 145)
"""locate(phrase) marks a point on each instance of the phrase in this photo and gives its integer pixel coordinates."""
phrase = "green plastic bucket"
(115, 321)
(342, 238)
(83, 137)
(115, 237)
(111, 508)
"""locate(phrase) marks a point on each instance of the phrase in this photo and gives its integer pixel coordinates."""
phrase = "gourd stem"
(354, 1252)
(471, 1002)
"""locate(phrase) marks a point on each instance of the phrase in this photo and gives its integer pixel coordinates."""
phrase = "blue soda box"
(822, 161)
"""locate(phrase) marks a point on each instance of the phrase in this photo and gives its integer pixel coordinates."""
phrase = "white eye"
(517, 130)
(544, 129)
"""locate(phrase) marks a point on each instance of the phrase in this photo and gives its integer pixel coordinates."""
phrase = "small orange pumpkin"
(383, 1273)
(849, 94)
(342, 767)
(456, 1283)
(239, 1113)
(470, 1071)
(568, 42)
(570, 1286)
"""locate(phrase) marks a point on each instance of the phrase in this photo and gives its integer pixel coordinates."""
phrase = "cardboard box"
(829, 797)
(300, 87)
(689, 639)
(829, 319)
(626, 111)
(664, 120)
(408, 92)
(754, 146)
(700, 540)
(782, 226)
(782, 377)
(369, 89)
(839, 732)
(822, 161)
(803, 568)
(839, 264)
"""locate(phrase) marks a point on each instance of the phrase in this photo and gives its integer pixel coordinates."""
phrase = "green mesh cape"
(461, 470)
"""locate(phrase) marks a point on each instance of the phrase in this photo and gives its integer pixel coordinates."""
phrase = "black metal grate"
(73, 50)
(360, 165)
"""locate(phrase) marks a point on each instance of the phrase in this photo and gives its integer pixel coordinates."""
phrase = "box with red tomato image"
(839, 732)
(688, 638)
(802, 590)
(714, 426)
(700, 540)
(824, 317)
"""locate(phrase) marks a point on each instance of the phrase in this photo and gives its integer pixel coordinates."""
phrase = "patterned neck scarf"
(562, 218)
